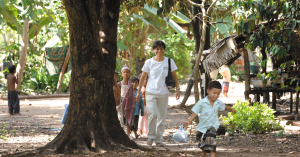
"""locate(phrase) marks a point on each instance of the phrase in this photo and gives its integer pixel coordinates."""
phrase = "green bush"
(258, 118)
(40, 81)
(240, 74)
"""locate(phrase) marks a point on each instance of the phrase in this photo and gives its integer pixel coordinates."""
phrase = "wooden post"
(291, 103)
(274, 101)
(297, 102)
(207, 80)
(247, 75)
(264, 57)
(266, 97)
(257, 97)
(61, 75)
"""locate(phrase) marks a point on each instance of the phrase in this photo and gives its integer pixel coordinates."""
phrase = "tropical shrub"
(258, 118)
(66, 81)
(41, 81)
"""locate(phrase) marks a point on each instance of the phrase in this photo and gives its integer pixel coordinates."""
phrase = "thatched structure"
(228, 49)
(220, 53)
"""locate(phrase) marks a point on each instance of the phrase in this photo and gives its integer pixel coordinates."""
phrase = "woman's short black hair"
(133, 79)
(12, 68)
(214, 84)
(158, 43)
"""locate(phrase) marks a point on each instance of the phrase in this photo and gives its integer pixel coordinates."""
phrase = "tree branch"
(196, 4)
(210, 7)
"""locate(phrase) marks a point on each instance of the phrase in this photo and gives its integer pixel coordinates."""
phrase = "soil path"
(40, 122)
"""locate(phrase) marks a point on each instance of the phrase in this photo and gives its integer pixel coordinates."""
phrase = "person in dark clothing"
(13, 99)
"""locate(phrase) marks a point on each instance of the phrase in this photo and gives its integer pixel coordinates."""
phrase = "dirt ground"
(40, 122)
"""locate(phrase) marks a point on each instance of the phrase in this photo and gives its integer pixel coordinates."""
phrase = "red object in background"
(225, 89)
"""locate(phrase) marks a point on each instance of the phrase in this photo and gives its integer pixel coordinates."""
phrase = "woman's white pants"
(157, 105)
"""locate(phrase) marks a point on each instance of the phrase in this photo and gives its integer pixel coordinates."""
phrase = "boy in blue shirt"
(139, 107)
(208, 108)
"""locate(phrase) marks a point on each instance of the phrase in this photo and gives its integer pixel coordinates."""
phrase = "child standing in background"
(127, 99)
(13, 99)
(143, 120)
(139, 106)
(225, 72)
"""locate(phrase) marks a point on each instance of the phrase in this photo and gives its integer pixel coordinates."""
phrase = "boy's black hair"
(134, 78)
(12, 68)
(214, 84)
(158, 43)
(116, 72)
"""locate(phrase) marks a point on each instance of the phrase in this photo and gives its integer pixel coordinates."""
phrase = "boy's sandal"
(149, 142)
(160, 144)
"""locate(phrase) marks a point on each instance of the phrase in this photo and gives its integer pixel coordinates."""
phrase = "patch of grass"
(3, 131)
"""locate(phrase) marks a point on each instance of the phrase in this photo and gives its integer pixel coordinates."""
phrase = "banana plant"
(22, 13)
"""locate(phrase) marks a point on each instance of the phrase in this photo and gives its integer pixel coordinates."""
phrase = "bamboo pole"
(61, 75)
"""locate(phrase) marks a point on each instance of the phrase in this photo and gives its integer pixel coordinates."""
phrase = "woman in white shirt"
(157, 92)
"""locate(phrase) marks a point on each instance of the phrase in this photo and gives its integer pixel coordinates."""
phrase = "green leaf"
(289, 33)
(280, 133)
(141, 18)
(247, 27)
(235, 4)
(252, 24)
(294, 23)
(261, 27)
(277, 37)
(10, 18)
(263, 63)
(154, 21)
(175, 26)
(1, 20)
(227, 20)
(242, 25)
(222, 28)
(260, 43)
(181, 17)
(212, 29)
(283, 39)
(251, 17)
(41, 23)
(286, 6)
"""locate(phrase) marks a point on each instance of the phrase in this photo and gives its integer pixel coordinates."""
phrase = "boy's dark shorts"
(13, 102)
(209, 140)
(225, 87)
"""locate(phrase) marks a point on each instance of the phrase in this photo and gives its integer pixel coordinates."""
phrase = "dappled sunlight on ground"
(40, 122)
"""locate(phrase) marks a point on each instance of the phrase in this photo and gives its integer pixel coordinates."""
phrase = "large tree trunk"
(92, 122)
(22, 59)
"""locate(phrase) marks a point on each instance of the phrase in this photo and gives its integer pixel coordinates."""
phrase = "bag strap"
(169, 64)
